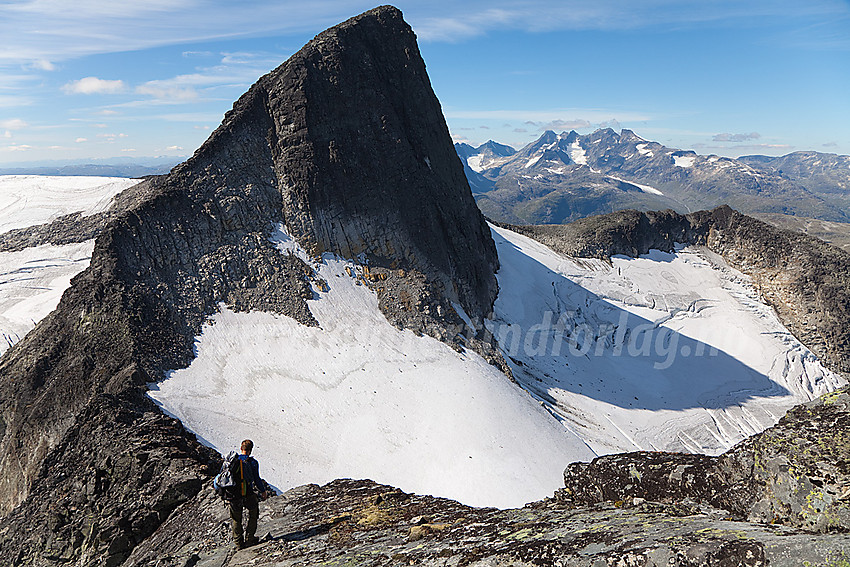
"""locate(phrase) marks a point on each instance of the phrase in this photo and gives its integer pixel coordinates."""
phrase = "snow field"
(28, 200)
(663, 352)
(359, 398)
(32, 282)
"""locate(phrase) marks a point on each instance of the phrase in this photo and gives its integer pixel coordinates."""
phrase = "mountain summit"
(351, 136)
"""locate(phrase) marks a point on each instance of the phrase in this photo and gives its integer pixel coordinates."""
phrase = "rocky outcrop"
(350, 522)
(795, 473)
(346, 145)
(362, 158)
(804, 279)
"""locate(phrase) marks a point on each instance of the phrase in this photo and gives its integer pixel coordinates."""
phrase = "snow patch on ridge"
(533, 160)
(474, 163)
(577, 153)
(359, 398)
(641, 148)
(644, 188)
(684, 161)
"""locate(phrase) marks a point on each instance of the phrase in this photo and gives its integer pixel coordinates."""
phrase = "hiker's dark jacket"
(251, 475)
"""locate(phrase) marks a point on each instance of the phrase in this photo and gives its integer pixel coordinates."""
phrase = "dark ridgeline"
(346, 144)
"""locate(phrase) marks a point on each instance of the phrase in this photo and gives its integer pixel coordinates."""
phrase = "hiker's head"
(247, 446)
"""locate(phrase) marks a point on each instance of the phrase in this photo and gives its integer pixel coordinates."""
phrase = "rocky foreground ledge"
(359, 522)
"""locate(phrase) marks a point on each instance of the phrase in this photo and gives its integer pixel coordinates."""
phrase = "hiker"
(248, 493)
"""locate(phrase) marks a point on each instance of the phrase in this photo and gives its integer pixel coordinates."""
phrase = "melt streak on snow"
(360, 398)
(663, 352)
(29, 200)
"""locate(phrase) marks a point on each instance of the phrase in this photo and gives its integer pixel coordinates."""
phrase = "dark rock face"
(363, 159)
(346, 145)
(806, 280)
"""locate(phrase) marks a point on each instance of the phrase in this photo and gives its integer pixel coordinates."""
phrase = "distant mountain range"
(112, 168)
(563, 177)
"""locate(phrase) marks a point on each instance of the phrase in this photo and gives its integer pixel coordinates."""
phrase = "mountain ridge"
(562, 177)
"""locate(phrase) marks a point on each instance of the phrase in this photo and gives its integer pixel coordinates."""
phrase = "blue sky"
(91, 79)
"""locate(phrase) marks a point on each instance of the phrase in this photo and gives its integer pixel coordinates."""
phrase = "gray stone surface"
(350, 522)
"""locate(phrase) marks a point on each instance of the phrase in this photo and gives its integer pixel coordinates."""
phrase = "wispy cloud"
(538, 117)
(13, 124)
(42, 65)
(162, 91)
(578, 124)
(93, 85)
(735, 137)
(43, 32)
(460, 20)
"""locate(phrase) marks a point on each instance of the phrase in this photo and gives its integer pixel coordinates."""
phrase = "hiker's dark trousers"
(250, 503)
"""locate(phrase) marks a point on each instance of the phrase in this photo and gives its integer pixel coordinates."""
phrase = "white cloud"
(128, 150)
(13, 124)
(19, 148)
(174, 148)
(93, 85)
(575, 124)
(7, 134)
(47, 30)
(81, 140)
(112, 137)
(42, 65)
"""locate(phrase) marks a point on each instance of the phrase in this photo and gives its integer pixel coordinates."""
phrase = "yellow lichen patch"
(373, 516)
(831, 398)
(418, 532)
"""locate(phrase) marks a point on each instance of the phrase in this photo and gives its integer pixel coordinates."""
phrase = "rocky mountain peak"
(358, 149)
(497, 149)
